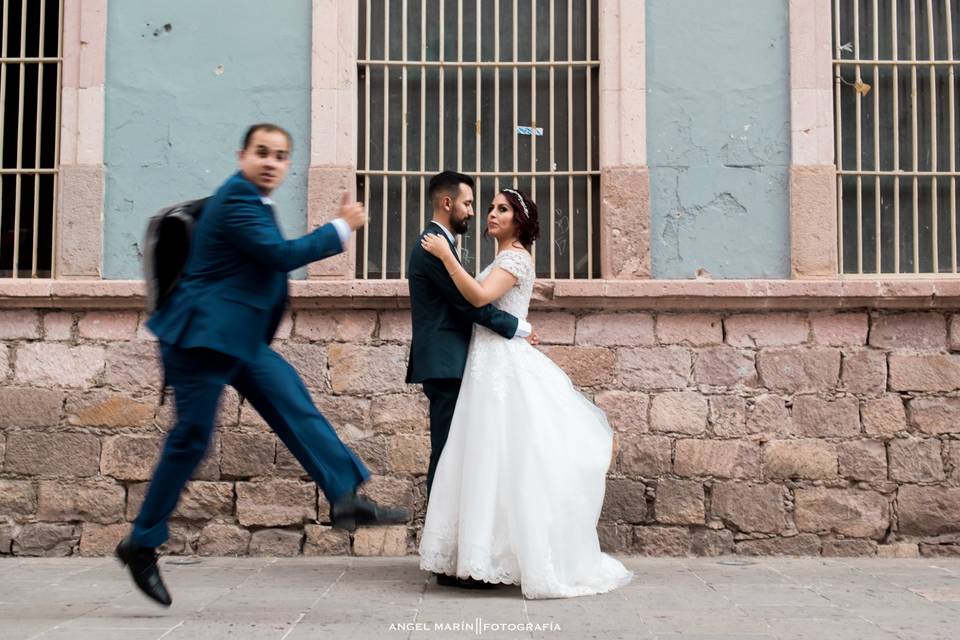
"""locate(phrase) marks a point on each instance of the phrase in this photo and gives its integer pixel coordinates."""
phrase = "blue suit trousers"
(273, 387)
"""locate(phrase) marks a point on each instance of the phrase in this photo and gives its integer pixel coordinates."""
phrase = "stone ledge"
(717, 295)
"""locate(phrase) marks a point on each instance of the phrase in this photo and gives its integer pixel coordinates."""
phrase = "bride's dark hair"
(525, 216)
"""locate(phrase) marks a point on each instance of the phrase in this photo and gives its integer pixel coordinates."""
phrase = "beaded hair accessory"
(523, 203)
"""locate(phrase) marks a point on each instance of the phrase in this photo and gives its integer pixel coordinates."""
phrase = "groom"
(443, 319)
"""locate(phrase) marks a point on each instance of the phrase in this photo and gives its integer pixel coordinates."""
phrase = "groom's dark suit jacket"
(443, 318)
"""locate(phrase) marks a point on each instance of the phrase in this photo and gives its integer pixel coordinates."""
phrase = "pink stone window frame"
(79, 215)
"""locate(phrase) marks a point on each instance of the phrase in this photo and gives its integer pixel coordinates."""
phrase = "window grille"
(30, 80)
(502, 90)
(896, 125)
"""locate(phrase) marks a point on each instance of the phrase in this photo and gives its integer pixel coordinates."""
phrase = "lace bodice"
(516, 301)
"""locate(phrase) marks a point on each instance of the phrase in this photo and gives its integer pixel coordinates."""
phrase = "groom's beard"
(459, 227)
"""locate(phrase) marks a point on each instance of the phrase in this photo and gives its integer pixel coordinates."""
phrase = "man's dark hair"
(447, 183)
(269, 127)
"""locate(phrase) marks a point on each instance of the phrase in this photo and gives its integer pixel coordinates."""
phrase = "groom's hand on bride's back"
(533, 338)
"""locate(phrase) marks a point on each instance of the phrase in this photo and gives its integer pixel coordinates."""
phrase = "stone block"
(849, 548)
(381, 541)
(310, 362)
(247, 455)
(852, 513)
(615, 330)
(728, 416)
(276, 542)
(689, 329)
(915, 460)
(646, 456)
(710, 542)
(586, 366)
(553, 327)
(928, 511)
(627, 411)
(718, 458)
(615, 538)
(367, 370)
(408, 454)
(108, 325)
(58, 326)
(653, 368)
(52, 454)
(30, 407)
(921, 331)
(766, 329)
(725, 367)
(864, 372)
(805, 544)
(87, 501)
(325, 541)
(679, 412)
(679, 502)
(662, 541)
(807, 459)
(200, 501)
(19, 324)
(768, 415)
(396, 326)
(45, 539)
(799, 370)
(883, 417)
(335, 325)
(404, 413)
(814, 416)
(218, 539)
(753, 508)
(53, 364)
(935, 416)
(101, 539)
(923, 372)
(130, 457)
(863, 460)
(840, 329)
(276, 503)
(625, 501)
(17, 498)
(898, 550)
(104, 408)
(133, 366)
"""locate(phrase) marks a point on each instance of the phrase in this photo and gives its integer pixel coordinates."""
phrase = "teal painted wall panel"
(179, 98)
(718, 123)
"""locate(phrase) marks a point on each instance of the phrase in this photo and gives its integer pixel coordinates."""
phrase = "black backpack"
(166, 247)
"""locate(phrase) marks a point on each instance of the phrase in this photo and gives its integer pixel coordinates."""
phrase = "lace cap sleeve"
(515, 263)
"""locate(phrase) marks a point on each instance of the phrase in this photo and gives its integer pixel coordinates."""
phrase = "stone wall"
(807, 432)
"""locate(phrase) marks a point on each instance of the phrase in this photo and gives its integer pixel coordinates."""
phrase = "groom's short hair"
(447, 183)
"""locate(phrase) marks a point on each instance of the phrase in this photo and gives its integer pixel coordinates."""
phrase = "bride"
(519, 486)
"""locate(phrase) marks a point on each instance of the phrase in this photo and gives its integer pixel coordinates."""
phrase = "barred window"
(896, 123)
(502, 90)
(30, 79)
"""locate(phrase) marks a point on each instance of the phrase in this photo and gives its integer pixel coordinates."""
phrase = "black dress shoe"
(355, 510)
(463, 583)
(142, 563)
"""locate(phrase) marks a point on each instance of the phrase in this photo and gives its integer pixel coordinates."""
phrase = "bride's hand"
(437, 246)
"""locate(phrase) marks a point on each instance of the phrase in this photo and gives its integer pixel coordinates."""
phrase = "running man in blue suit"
(215, 330)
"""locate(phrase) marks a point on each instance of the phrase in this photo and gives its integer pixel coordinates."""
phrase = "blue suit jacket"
(234, 290)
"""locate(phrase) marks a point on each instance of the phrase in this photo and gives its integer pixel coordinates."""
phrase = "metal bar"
(27, 171)
(916, 153)
(570, 138)
(934, 213)
(515, 144)
(486, 64)
(366, 150)
(496, 97)
(3, 92)
(403, 145)
(878, 233)
(384, 208)
(859, 137)
(443, 87)
(901, 173)
(589, 129)
(855, 61)
(487, 174)
(553, 162)
(951, 102)
(894, 36)
(15, 267)
(838, 131)
(477, 160)
(460, 99)
(423, 112)
(533, 116)
(36, 149)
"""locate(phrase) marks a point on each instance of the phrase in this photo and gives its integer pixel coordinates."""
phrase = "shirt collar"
(446, 232)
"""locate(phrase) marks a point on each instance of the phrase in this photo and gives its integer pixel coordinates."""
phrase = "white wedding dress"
(519, 486)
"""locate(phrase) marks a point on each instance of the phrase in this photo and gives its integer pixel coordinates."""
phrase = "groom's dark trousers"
(215, 330)
(442, 325)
